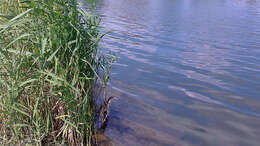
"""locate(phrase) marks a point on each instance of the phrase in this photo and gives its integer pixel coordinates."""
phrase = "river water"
(188, 71)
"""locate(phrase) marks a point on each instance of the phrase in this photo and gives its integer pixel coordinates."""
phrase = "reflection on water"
(188, 72)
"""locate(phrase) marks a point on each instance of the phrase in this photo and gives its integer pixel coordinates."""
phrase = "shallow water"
(188, 71)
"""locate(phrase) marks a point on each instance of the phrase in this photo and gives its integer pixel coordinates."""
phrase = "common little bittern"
(104, 112)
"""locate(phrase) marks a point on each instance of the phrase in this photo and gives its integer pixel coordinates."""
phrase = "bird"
(104, 112)
(100, 137)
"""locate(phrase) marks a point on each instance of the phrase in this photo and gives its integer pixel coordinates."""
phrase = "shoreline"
(50, 61)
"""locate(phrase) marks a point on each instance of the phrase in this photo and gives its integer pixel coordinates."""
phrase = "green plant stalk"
(49, 62)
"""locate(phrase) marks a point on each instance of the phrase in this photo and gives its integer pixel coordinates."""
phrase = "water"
(188, 71)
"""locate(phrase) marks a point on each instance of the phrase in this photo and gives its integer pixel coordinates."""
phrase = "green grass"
(49, 63)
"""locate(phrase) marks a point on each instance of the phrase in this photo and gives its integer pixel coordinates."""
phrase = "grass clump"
(49, 62)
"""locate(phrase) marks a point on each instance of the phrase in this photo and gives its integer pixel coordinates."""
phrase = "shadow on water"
(188, 72)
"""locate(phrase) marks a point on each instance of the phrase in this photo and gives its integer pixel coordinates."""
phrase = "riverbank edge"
(50, 62)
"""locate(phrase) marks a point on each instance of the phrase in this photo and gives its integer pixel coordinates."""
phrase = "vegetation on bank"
(49, 62)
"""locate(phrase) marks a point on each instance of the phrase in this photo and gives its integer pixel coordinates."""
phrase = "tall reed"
(49, 62)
